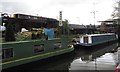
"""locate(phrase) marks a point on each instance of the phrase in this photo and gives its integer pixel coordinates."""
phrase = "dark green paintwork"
(24, 51)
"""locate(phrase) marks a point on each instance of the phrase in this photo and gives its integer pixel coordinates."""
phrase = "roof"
(108, 20)
(75, 26)
(99, 34)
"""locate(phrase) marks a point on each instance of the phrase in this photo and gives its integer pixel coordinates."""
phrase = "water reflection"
(95, 53)
(96, 58)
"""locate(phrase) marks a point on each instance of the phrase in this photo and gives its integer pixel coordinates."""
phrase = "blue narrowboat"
(95, 39)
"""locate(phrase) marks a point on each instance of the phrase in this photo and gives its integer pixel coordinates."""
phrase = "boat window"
(38, 48)
(57, 45)
(85, 39)
(7, 53)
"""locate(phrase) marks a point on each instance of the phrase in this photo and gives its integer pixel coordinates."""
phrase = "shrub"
(23, 36)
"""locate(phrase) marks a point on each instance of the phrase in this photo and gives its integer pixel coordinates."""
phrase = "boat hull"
(24, 51)
(95, 45)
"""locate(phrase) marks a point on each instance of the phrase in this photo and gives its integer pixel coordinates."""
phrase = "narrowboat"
(95, 39)
(17, 53)
(34, 44)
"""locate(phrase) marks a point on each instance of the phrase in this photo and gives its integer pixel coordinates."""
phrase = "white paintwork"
(101, 34)
(116, 36)
(81, 39)
(89, 39)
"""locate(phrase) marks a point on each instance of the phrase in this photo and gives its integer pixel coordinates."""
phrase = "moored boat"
(95, 39)
(17, 53)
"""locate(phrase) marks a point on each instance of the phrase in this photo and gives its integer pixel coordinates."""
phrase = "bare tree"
(116, 15)
(116, 12)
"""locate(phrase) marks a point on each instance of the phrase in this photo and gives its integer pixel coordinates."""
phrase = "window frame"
(39, 51)
(3, 53)
(58, 44)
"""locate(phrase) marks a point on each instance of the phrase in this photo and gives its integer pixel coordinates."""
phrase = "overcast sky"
(75, 11)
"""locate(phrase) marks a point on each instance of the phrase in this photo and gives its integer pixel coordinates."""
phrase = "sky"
(75, 11)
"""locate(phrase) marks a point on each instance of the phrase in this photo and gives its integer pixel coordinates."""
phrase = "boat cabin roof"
(98, 34)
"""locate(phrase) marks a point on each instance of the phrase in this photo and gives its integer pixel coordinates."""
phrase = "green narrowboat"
(17, 53)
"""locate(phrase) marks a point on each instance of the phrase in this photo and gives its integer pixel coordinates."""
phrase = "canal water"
(95, 59)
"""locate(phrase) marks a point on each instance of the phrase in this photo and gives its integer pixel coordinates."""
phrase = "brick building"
(109, 26)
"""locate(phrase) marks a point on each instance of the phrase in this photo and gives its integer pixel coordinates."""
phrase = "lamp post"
(94, 15)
